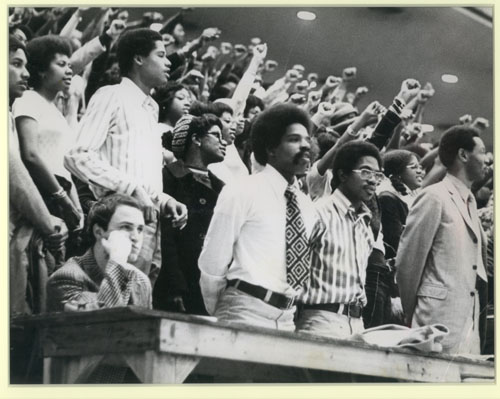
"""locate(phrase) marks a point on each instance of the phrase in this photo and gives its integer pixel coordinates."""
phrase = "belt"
(270, 297)
(348, 309)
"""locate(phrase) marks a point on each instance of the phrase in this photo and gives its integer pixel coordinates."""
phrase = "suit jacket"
(82, 281)
(438, 264)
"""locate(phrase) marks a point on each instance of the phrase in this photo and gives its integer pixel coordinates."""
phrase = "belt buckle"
(289, 302)
(354, 310)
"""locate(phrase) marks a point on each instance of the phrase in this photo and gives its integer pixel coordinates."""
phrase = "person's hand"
(480, 123)
(150, 211)
(168, 39)
(270, 65)
(118, 246)
(69, 213)
(240, 125)
(240, 50)
(409, 89)
(259, 53)
(297, 99)
(226, 48)
(313, 98)
(406, 115)
(211, 54)
(116, 28)
(371, 113)
(332, 82)
(349, 73)
(175, 210)
(178, 304)
(292, 76)
(326, 110)
(312, 77)
(78, 306)
(55, 241)
(193, 74)
(465, 119)
(302, 86)
(361, 91)
(210, 34)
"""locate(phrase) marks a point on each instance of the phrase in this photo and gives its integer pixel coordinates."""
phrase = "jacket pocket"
(433, 291)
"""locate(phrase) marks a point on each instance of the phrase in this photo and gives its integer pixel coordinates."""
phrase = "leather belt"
(348, 309)
(270, 297)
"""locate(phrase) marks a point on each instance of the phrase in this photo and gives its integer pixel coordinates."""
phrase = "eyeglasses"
(367, 174)
(217, 134)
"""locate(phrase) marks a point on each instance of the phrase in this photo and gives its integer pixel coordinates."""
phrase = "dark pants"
(378, 308)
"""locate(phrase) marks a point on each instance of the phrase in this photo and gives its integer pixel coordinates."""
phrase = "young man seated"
(104, 277)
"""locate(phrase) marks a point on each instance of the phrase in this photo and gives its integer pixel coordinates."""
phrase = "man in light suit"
(440, 265)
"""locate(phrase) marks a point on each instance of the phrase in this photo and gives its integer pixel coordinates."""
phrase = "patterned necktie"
(297, 248)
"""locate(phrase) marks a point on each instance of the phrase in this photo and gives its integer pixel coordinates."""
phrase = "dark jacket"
(179, 275)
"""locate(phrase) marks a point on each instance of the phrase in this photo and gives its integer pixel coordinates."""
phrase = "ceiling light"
(447, 78)
(306, 15)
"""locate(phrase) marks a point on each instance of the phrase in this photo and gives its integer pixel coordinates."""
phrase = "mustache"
(300, 154)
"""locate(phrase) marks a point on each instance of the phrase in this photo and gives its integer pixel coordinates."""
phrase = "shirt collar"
(278, 182)
(135, 93)
(462, 189)
(345, 207)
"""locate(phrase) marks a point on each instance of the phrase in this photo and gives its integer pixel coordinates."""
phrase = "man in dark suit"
(440, 264)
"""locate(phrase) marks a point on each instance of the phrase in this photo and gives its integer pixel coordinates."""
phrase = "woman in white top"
(44, 133)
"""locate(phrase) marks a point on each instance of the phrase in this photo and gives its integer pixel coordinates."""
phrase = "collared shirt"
(246, 237)
(118, 146)
(82, 281)
(341, 246)
(465, 193)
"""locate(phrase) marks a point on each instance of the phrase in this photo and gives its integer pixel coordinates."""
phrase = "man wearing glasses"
(341, 244)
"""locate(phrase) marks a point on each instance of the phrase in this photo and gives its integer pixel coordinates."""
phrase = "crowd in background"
(206, 107)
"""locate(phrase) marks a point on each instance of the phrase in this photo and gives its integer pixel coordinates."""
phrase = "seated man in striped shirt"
(104, 277)
(334, 298)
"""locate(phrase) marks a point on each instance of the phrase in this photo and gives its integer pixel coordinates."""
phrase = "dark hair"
(164, 96)
(199, 108)
(416, 148)
(41, 51)
(252, 102)
(23, 28)
(270, 126)
(395, 163)
(453, 139)
(218, 108)
(103, 210)
(135, 42)
(348, 156)
(15, 44)
(199, 126)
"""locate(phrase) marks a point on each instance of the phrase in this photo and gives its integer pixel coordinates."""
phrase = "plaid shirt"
(83, 282)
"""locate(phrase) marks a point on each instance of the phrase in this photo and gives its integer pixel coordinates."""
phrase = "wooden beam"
(325, 354)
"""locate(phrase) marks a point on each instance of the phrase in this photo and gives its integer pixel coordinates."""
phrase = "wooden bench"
(162, 347)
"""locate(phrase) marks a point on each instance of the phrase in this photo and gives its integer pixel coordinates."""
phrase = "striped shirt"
(118, 146)
(340, 248)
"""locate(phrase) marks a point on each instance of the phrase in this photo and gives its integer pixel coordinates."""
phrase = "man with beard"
(341, 244)
(440, 260)
(255, 258)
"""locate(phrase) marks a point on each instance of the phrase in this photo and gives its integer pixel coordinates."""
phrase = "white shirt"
(246, 237)
(118, 146)
(55, 137)
(231, 168)
(319, 186)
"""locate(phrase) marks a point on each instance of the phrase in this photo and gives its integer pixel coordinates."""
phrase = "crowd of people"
(153, 171)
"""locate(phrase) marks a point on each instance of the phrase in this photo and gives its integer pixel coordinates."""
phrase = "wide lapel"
(462, 207)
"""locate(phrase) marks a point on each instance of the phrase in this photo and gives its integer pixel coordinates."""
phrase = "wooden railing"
(162, 347)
